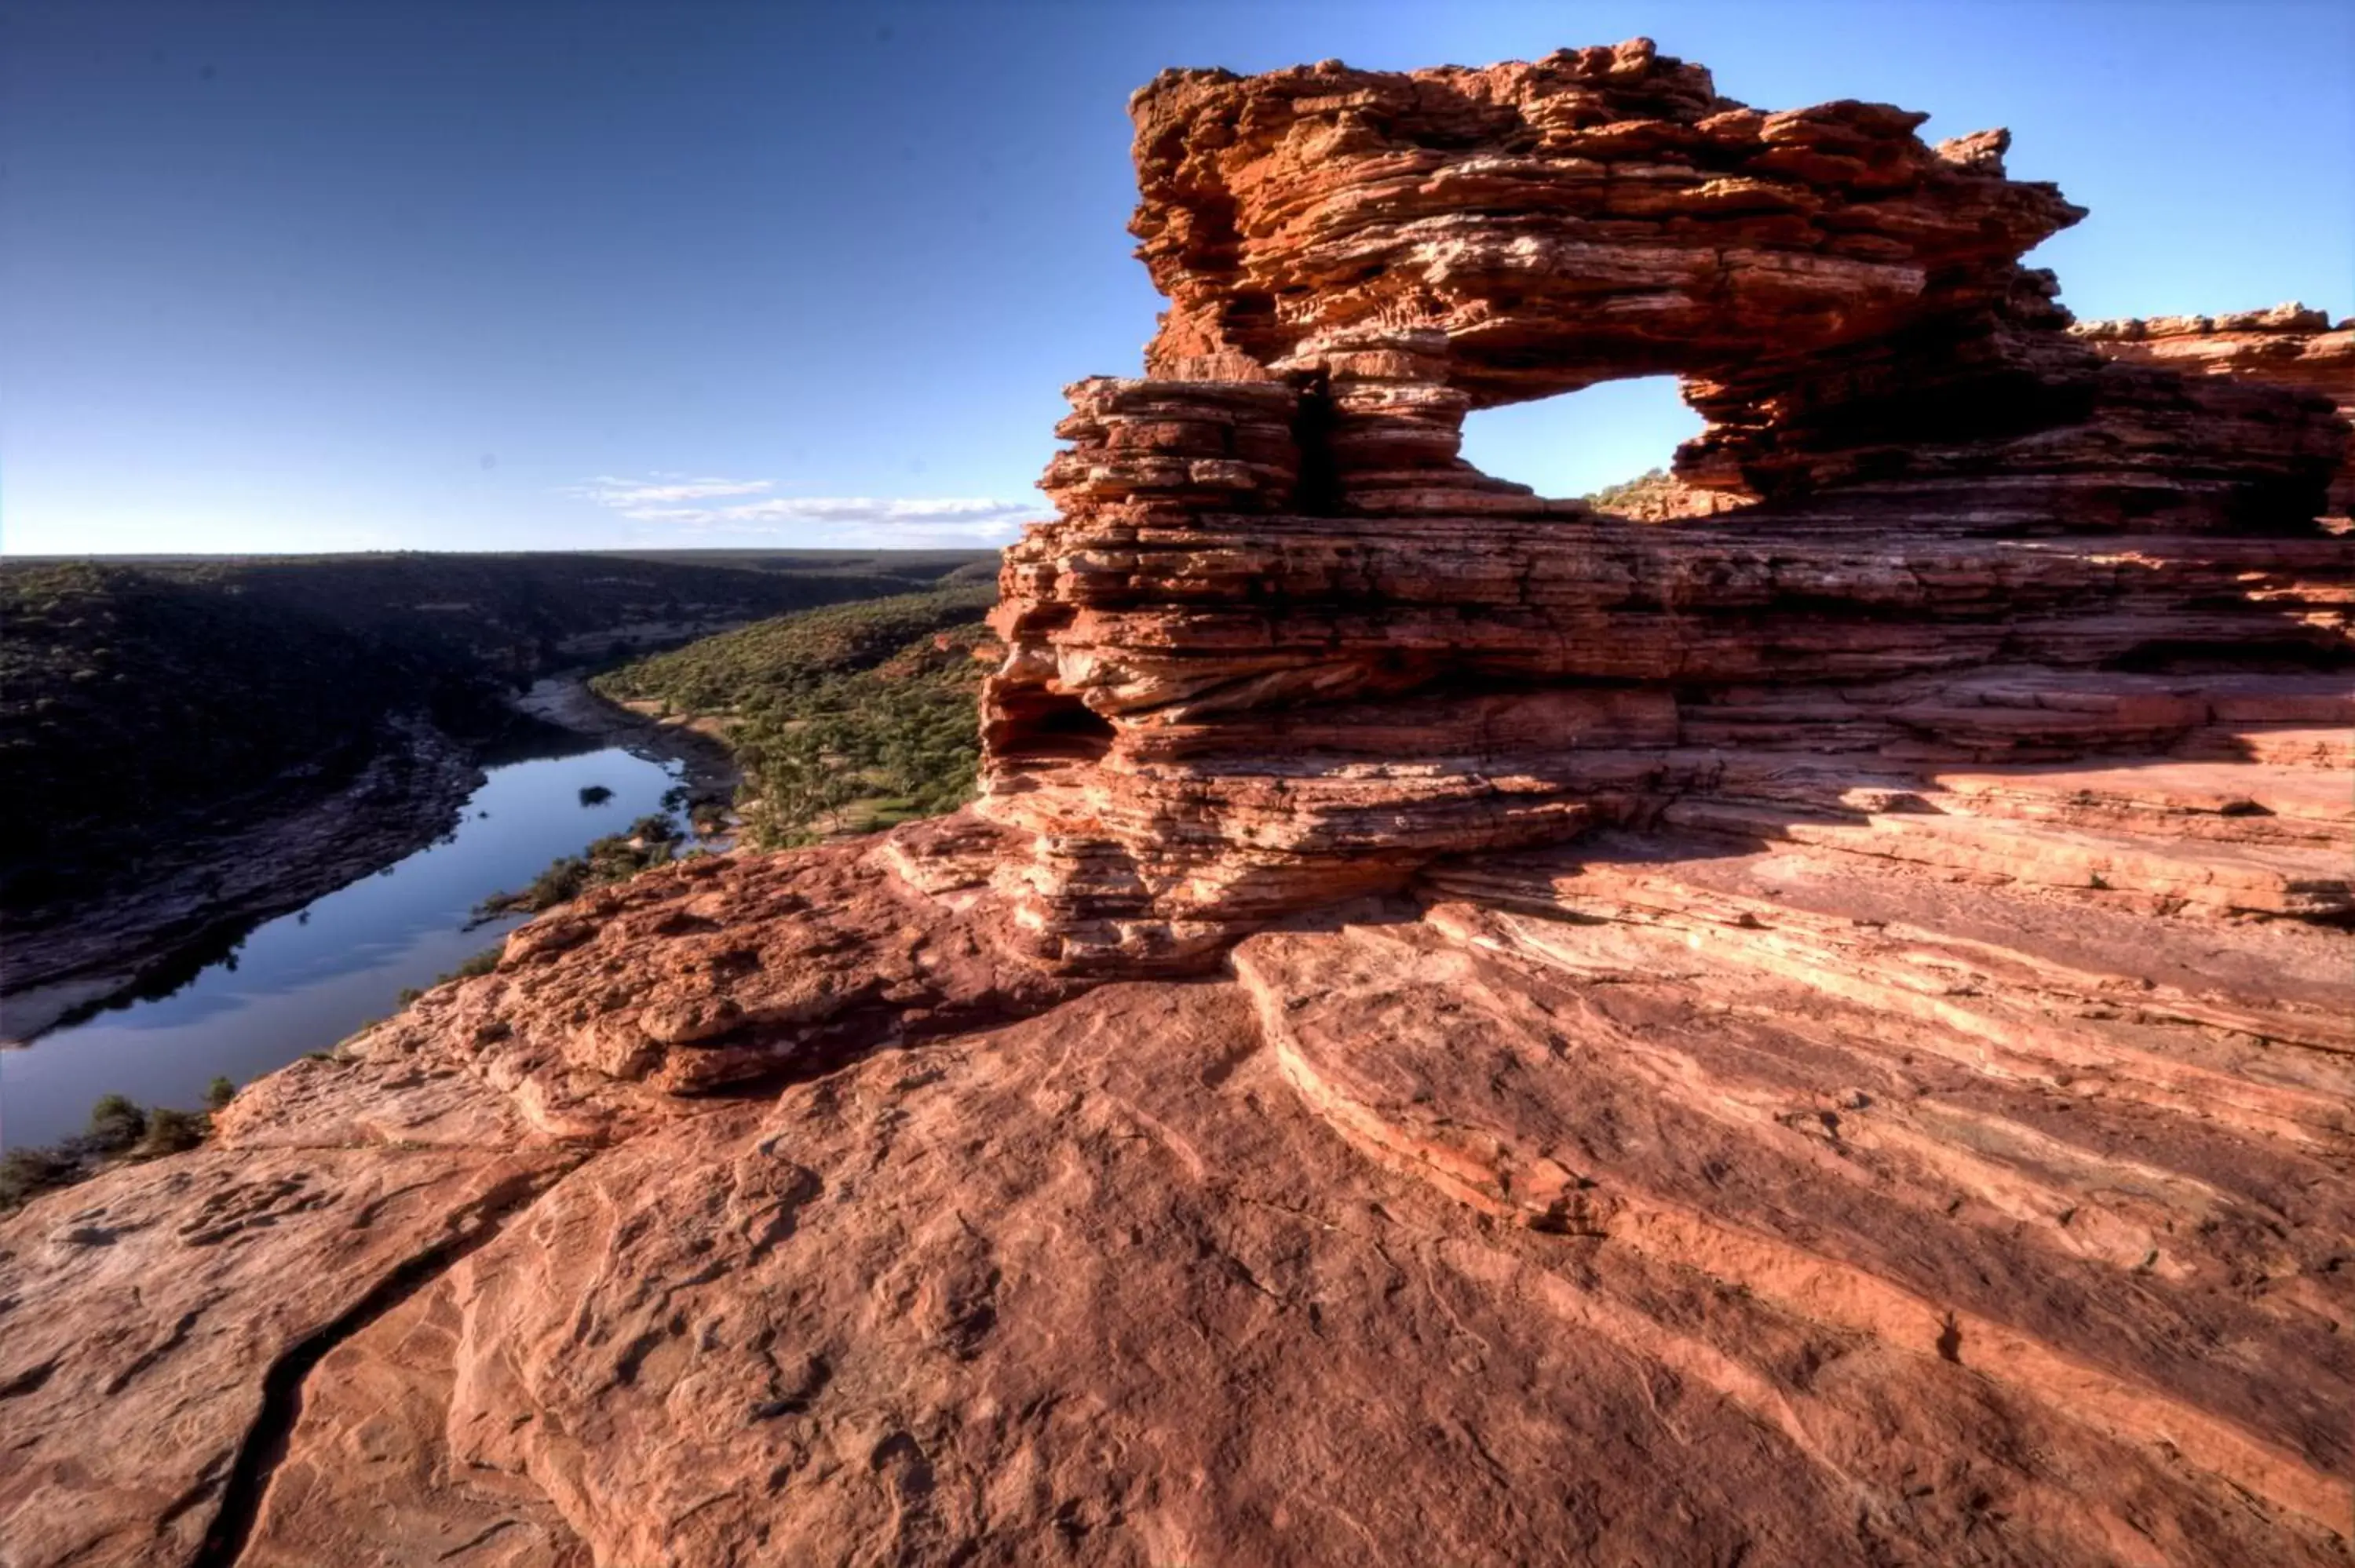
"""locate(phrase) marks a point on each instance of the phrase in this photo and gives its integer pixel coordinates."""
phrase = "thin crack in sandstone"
(1851, 1010)
(264, 1444)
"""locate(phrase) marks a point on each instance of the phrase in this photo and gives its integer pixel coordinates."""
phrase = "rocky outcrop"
(1205, 725)
(2289, 346)
(1654, 1200)
(1283, 645)
(1844, 302)
(1658, 496)
(1461, 1029)
(733, 967)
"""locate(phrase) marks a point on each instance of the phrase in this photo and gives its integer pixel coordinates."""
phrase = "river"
(304, 982)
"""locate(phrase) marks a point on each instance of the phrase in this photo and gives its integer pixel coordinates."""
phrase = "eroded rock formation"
(2288, 345)
(1283, 645)
(1811, 1035)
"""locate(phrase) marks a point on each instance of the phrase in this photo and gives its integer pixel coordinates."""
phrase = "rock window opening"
(1611, 444)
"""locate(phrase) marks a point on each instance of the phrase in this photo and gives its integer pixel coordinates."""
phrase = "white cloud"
(871, 509)
(821, 519)
(608, 489)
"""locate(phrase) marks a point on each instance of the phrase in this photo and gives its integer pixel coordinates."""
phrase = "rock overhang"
(1847, 1060)
(1268, 549)
(1597, 213)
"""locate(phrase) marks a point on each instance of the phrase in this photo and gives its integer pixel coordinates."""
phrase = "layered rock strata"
(2289, 346)
(1656, 1199)
(1461, 1031)
(1206, 722)
(1282, 644)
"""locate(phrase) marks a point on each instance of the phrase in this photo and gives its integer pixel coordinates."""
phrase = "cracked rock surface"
(1656, 1198)
(1811, 1031)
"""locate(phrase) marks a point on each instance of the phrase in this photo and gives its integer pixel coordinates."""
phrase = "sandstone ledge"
(1658, 1198)
(1461, 1029)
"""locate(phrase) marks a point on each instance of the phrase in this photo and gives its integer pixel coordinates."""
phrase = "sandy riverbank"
(567, 700)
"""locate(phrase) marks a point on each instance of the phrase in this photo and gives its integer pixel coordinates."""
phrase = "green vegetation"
(475, 964)
(170, 1131)
(481, 963)
(913, 567)
(163, 701)
(1612, 496)
(791, 655)
(844, 719)
(119, 1128)
(868, 749)
(649, 841)
(126, 698)
(116, 1122)
(25, 1172)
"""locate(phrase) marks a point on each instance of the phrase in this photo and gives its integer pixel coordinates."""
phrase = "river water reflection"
(305, 980)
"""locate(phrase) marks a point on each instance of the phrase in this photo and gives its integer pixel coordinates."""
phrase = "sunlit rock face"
(1461, 1031)
(1282, 644)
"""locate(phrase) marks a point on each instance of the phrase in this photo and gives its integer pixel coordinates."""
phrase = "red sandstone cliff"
(1460, 1029)
(1283, 645)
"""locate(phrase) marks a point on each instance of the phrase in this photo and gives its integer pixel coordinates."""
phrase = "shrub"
(26, 1171)
(116, 1123)
(218, 1093)
(616, 857)
(1610, 495)
(481, 963)
(654, 827)
(559, 884)
(170, 1131)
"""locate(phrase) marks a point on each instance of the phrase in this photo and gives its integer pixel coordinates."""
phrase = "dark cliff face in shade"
(1461, 1029)
(2288, 346)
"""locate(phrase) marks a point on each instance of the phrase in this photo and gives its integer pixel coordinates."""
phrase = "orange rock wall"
(1282, 644)
(1912, 1122)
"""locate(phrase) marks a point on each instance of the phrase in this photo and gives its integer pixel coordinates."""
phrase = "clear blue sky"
(354, 274)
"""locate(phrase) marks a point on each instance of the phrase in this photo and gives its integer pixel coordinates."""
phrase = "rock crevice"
(1808, 1029)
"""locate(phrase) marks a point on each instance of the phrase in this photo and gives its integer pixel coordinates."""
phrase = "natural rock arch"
(1611, 444)
(1283, 644)
(1911, 1124)
(1421, 245)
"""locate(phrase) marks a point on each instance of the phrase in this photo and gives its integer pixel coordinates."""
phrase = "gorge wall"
(1460, 1029)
